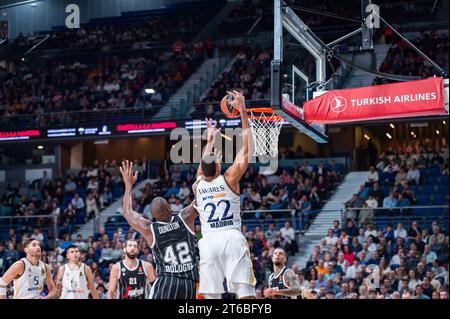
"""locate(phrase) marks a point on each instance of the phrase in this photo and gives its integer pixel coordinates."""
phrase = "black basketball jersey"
(277, 283)
(174, 249)
(132, 282)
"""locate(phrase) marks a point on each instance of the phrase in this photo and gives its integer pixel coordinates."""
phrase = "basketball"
(227, 108)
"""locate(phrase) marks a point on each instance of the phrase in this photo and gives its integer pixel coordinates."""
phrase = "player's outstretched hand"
(238, 101)
(127, 173)
(212, 130)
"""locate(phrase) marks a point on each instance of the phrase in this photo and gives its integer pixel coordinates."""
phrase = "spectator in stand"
(77, 203)
(400, 232)
(390, 202)
(413, 175)
(177, 206)
(372, 176)
(330, 239)
(92, 210)
(352, 206)
(288, 234)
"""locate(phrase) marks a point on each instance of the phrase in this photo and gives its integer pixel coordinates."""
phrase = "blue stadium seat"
(424, 200)
(117, 192)
(419, 211)
(433, 172)
(436, 212)
(430, 180)
(438, 199)
(444, 180)
(426, 190)
(442, 189)
(414, 188)
(340, 168)
(81, 192)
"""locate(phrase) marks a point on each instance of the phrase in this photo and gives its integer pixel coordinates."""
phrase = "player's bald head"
(161, 209)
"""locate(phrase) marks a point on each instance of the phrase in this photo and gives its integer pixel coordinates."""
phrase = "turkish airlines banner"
(400, 100)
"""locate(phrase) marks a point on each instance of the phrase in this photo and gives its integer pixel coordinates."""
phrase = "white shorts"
(225, 255)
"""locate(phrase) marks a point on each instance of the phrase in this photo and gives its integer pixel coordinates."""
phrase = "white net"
(265, 130)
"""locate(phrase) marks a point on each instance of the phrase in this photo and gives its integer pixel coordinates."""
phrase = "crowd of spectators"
(155, 30)
(402, 59)
(402, 177)
(379, 263)
(112, 83)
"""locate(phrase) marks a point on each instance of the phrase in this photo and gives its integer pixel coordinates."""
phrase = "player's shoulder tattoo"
(291, 278)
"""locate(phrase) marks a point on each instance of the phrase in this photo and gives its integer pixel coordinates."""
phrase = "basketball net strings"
(265, 130)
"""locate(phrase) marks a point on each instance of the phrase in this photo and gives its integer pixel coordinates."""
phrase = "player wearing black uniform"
(172, 241)
(129, 277)
(175, 253)
(283, 282)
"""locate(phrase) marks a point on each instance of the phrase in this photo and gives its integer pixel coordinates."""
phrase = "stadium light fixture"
(150, 91)
(392, 125)
(389, 136)
(443, 122)
(412, 133)
(40, 147)
(367, 137)
(437, 132)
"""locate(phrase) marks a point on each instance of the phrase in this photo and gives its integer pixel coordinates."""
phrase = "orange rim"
(269, 113)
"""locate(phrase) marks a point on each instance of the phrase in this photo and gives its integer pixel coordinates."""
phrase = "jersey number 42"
(179, 255)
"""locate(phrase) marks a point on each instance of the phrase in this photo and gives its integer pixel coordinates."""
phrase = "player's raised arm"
(212, 133)
(113, 281)
(189, 214)
(133, 218)
(14, 271)
(235, 171)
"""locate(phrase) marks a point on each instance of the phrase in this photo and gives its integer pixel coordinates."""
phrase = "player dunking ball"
(29, 275)
(130, 275)
(172, 240)
(283, 282)
(224, 253)
(75, 279)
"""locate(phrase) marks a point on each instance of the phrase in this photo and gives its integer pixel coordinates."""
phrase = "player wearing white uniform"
(224, 252)
(75, 279)
(29, 275)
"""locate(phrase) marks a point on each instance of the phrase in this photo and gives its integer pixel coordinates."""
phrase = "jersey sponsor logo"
(214, 196)
(222, 223)
(214, 189)
(133, 293)
(167, 228)
(81, 273)
(179, 268)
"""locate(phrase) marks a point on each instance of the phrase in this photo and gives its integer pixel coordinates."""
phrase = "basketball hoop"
(265, 126)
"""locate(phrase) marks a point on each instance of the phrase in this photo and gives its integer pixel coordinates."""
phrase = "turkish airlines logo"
(338, 104)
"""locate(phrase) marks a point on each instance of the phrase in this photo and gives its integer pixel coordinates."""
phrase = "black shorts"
(170, 287)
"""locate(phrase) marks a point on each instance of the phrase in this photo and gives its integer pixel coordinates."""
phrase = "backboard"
(298, 69)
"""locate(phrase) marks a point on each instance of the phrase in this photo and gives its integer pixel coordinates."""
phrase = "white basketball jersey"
(219, 206)
(31, 283)
(74, 283)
